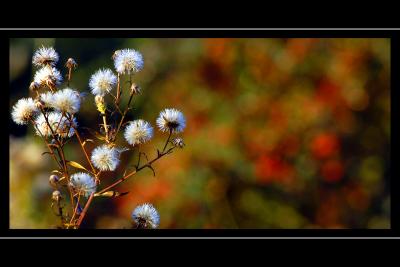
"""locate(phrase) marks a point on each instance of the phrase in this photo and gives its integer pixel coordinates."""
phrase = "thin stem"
(140, 153)
(166, 143)
(83, 148)
(60, 154)
(48, 146)
(118, 90)
(148, 164)
(105, 125)
(85, 210)
(76, 208)
(69, 75)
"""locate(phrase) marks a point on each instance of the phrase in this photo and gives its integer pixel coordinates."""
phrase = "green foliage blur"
(281, 133)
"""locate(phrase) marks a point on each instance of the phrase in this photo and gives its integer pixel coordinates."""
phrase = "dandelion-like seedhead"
(47, 99)
(146, 215)
(52, 113)
(105, 158)
(47, 76)
(171, 120)
(24, 111)
(102, 82)
(83, 183)
(67, 101)
(60, 125)
(45, 56)
(127, 61)
(138, 132)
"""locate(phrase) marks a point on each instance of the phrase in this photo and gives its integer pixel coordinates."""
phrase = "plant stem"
(124, 114)
(166, 143)
(148, 164)
(105, 125)
(84, 210)
(118, 90)
(83, 148)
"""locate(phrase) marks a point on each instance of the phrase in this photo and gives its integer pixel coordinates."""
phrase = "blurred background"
(281, 133)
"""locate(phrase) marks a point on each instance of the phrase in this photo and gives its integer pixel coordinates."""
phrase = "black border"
(394, 35)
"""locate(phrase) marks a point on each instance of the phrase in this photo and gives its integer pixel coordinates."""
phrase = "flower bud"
(71, 63)
(135, 89)
(34, 86)
(56, 196)
(53, 180)
(178, 142)
(115, 54)
(39, 103)
(100, 104)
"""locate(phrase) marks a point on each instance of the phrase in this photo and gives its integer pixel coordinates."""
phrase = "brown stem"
(124, 114)
(76, 208)
(48, 146)
(148, 164)
(83, 148)
(166, 143)
(60, 154)
(69, 75)
(118, 90)
(105, 125)
(84, 210)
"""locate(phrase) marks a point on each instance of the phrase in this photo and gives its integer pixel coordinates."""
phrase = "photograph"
(183, 133)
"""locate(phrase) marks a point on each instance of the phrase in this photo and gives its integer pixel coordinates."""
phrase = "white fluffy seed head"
(47, 76)
(60, 125)
(171, 120)
(83, 183)
(146, 216)
(138, 132)
(102, 82)
(105, 158)
(127, 61)
(45, 56)
(47, 99)
(24, 110)
(67, 100)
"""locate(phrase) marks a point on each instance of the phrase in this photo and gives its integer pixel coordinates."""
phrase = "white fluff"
(24, 110)
(105, 158)
(45, 56)
(47, 75)
(127, 61)
(67, 101)
(83, 183)
(138, 132)
(102, 82)
(60, 125)
(171, 120)
(146, 215)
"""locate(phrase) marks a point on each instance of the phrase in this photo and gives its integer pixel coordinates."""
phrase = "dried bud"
(135, 89)
(39, 103)
(115, 54)
(56, 196)
(53, 180)
(34, 86)
(71, 63)
(100, 104)
(178, 142)
(51, 83)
